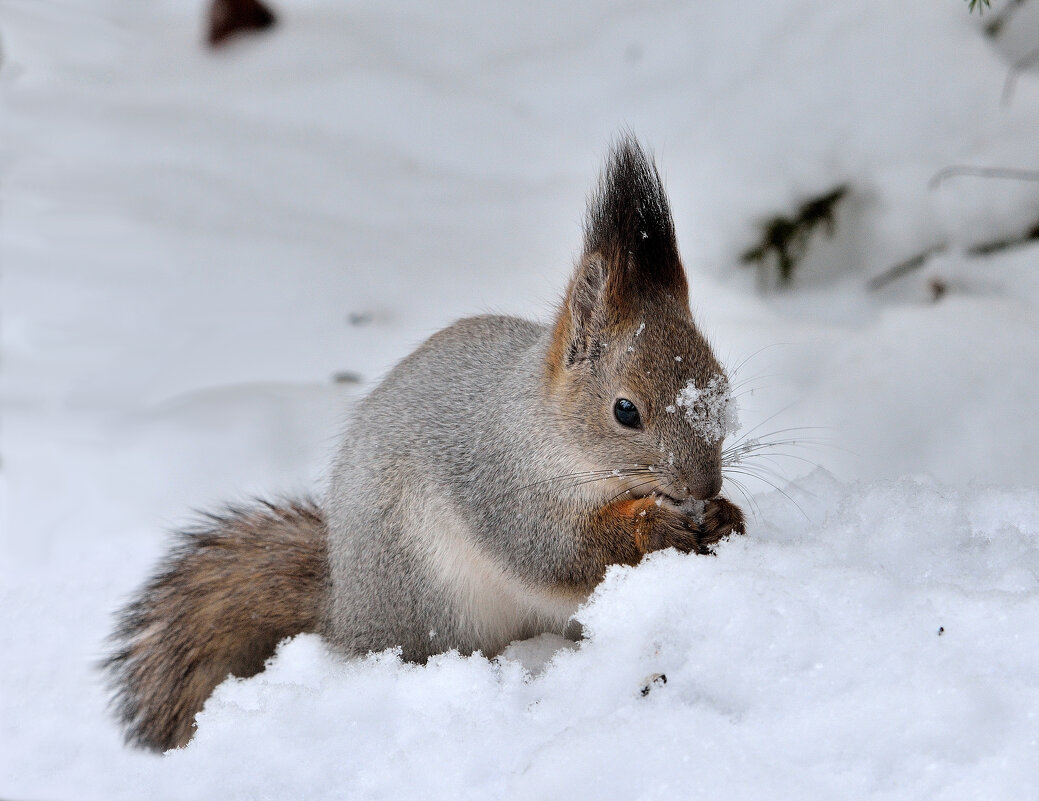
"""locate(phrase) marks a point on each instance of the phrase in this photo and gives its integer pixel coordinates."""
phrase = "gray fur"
(432, 436)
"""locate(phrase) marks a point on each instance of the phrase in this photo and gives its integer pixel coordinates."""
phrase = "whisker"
(768, 419)
(630, 490)
(735, 370)
(746, 446)
(759, 452)
(619, 471)
(777, 489)
(758, 471)
(743, 491)
(593, 480)
(735, 456)
(770, 455)
(753, 380)
(760, 437)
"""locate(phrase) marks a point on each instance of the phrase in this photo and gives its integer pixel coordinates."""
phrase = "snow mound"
(883, 651)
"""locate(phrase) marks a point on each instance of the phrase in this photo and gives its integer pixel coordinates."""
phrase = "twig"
(996, 245)
(1016, 69)
(903, 268)
(786, 238)
(981, 249)
(1010, 173)
(998, 22)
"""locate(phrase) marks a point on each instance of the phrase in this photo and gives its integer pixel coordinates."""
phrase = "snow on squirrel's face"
(657, 406)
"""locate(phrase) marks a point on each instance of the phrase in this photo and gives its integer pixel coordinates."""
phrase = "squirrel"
(480, 493)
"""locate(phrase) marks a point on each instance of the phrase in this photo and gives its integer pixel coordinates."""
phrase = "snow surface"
(193, 244)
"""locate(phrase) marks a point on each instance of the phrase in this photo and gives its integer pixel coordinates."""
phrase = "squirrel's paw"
(720, 519)
(667, 526)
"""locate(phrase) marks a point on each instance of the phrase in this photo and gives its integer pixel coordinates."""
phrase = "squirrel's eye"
(626, 413)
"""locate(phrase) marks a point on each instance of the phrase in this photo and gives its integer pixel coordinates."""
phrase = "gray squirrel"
(480, 492)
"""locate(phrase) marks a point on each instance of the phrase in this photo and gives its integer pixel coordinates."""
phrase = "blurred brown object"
(228, 17)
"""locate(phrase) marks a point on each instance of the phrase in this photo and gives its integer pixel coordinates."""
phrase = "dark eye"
(626, 413)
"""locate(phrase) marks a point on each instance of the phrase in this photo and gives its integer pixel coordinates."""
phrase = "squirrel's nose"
(704, 487)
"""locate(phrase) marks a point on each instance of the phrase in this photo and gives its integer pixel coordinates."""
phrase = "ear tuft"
(629, 225)
(630, 261)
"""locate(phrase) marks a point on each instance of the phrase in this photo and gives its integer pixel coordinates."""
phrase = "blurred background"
(209, 252)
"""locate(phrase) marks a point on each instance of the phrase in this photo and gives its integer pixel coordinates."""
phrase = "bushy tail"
(229, 591)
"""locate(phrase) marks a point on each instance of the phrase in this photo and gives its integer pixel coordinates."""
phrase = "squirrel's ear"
(582, 320)
(629, 227)
(584, 316)
(630, 258)
(585, 299)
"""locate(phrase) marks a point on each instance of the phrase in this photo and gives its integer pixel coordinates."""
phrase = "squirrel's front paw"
(654, 523)
(664, 525)
(670, 526)
(720, 519)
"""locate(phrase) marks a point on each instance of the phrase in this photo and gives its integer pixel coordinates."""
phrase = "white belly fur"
(493, 605)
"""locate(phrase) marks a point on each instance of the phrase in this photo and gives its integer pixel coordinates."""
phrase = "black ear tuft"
(629, 224)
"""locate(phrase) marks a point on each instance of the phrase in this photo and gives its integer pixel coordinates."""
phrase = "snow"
(193, 244)
(711, 410)
(693, 509)
(837, 684)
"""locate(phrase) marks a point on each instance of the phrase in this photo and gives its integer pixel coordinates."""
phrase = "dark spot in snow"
(346, 377)
(230, 17)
